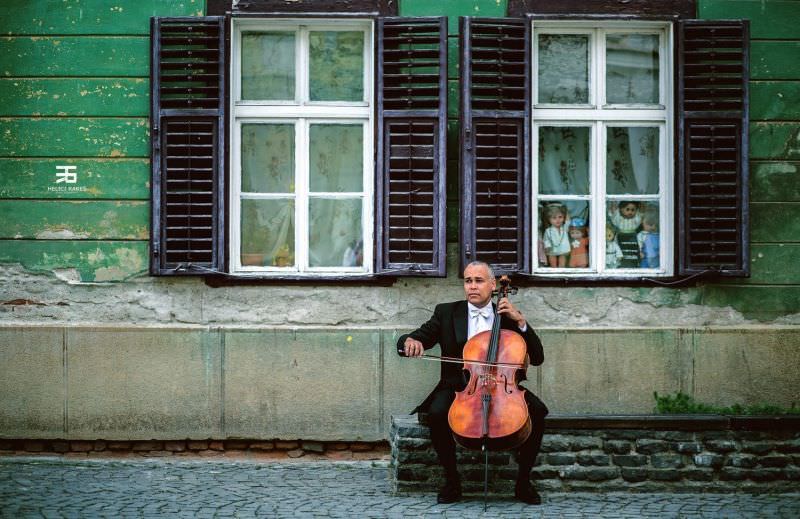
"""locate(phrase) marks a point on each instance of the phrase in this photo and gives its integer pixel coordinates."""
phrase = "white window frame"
(302, 112)
(599, 117)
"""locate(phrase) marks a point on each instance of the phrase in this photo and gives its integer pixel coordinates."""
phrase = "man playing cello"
(451, 326)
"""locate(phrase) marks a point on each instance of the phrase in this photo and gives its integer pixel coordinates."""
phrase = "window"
(317, 151)
(601, 139)
(301, 172)
(602, 149)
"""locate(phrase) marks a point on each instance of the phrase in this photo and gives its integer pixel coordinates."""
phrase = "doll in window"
(578, 244)
(649, 240)
(556, 240)
(627, 219)
(613, 252)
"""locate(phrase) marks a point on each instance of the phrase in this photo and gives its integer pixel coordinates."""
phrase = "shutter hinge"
(468, 250)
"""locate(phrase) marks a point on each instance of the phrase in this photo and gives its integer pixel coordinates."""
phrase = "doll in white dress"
(556, 238)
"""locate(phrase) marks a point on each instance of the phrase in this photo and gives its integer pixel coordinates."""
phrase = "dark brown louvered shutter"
(188, 70)
(495, 149)
(411, 146)
(713, 147)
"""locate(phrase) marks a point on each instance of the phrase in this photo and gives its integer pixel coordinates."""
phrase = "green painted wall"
(74, 91)
(774, 287)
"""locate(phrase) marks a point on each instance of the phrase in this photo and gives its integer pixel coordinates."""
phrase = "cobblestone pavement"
(62, 487)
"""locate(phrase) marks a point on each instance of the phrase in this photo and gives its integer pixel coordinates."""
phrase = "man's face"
(478, 285)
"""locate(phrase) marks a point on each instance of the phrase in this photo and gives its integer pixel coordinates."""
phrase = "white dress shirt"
(482, 319)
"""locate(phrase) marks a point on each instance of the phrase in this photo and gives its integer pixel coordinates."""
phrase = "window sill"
(589, 281)
(227, 280)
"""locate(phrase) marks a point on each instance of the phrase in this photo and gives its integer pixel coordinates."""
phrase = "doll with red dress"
(578, 244)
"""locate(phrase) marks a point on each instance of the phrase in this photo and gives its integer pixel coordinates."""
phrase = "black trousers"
(445, 445)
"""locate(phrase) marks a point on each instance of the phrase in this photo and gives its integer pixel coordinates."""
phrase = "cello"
(491, 412)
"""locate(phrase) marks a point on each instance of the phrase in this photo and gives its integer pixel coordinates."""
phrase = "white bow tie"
(483, 312)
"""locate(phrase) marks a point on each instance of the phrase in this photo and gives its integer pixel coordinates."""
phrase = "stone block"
(406, 382)
(630, 460)
(561, 458)
(664, 474)
(596, 459)
(721, 446)
(761, 474)
(81, 446)
(757, 447)
(647, 446)
(589, 473)
(695, 474)
(313, 384)
(32, 382)
(578, 443)
(773, 461)
(733, 474)
(60, 446)
(555, 443)
(744, 461)
(311, 446)
(634, 474)
(175, 446)
(147, 446)
(666, 461)
(689, 447)
(617, 446)
(708, 460)
(618, 369)
(143, 383)
(747, 366)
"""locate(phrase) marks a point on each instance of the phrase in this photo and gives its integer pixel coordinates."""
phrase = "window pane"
(632, 160)
(336, 157)
(563, 240)
(336, 66)
(632, 235)
(268, 233)
(335, 237)
(564, 160)
(632, 68)
(267, 158)
(268, 65)
(563, 68)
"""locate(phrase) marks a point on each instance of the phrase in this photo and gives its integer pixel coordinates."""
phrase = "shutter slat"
(713, 168)
(410, 200)
(494, 144)
(188, 75)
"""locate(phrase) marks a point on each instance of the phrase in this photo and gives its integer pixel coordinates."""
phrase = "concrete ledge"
(629, 453)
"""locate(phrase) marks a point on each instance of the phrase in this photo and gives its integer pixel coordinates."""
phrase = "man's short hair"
(477, 263)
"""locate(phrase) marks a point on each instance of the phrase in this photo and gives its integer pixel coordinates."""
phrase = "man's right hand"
(413, 348)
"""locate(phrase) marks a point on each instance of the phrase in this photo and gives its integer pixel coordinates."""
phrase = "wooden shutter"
(188, 70)
(713, 147)
(495, 149)
(411, 146)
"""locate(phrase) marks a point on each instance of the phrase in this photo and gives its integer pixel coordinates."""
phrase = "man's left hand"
(504, 307)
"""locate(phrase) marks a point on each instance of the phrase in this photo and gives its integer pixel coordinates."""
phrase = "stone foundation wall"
(646, 454)
(236, 449)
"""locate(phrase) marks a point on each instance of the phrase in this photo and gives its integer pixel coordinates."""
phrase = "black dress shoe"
(525, 492)
(449, 493)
